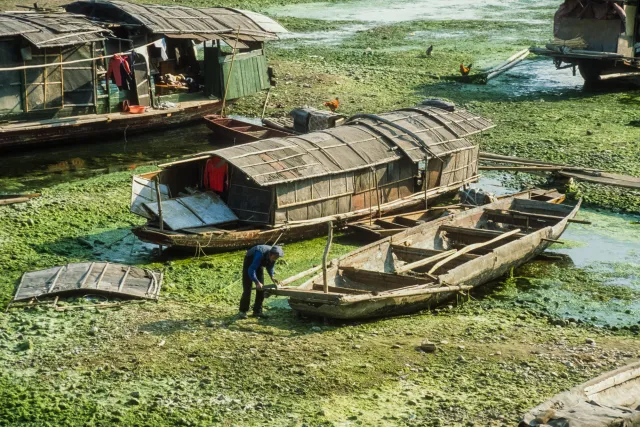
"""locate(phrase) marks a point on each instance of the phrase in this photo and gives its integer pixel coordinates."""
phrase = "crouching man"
(255, 261)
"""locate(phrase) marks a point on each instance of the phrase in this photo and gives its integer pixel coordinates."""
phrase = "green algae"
(186, 360)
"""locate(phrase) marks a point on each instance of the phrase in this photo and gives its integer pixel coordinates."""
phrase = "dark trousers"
(247, 284)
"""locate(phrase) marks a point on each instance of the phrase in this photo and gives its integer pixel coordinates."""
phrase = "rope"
(57, 64)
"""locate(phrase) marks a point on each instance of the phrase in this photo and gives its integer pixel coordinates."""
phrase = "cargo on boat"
(377, 228)
(240, 132)
(610, 400)
(286, 189)
(425, 265)
(600, 38)
(103, 67)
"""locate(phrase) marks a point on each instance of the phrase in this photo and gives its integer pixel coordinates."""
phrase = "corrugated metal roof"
(50, 29)
(161, 19)
(363, 143)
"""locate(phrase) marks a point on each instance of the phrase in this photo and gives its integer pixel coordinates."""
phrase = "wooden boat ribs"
(424, 265)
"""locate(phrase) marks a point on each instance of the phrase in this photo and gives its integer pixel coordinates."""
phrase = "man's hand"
(259, 286)
(275, 281)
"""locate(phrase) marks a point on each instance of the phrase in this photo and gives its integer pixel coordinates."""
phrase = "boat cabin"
(32, 81)
(181, 53)
(73, 75)
(370, 164)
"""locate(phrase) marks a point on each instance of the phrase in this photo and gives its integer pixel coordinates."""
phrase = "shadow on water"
(46, 166)
(115, 245)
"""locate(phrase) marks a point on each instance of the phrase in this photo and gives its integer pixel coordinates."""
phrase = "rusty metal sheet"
(199, 210)
(90, 278)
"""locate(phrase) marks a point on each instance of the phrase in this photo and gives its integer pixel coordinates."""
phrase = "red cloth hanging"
(216, 175)
(114, 68)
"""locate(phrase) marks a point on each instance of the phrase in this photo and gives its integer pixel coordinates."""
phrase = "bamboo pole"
(233, 60)
(325, 255)
(159, 197)
(266, 101)
(298, 276)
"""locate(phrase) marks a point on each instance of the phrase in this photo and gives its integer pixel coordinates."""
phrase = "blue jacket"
(260, 255)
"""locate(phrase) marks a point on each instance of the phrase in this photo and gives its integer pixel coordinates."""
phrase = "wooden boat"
(610, 400)
(388, 226)
(287, 189)
(10, 199)
(238, 131)
(90, 127)
(425, 265)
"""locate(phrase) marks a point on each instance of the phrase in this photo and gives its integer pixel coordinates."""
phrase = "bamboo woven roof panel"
(363, 143)
(50, 29)
(337, 150)
(165, 19)
(440, 132)
(98, 277)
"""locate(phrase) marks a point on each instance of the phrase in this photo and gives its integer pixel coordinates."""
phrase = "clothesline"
(57, 64)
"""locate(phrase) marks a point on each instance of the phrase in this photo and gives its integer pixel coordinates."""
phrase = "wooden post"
(159, 197)
(370, 197)
(233, 59)
(425, 180)
(375, 178)
(325, 255)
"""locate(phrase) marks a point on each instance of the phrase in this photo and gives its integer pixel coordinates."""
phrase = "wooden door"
(141, 78)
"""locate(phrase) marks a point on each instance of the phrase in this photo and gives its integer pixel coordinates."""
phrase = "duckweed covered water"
(186, 360)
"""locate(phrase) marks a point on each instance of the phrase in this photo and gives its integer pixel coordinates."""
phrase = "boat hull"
(240, 132)
(471, 274)
(225, 241)
(103, 126)
(610, 400)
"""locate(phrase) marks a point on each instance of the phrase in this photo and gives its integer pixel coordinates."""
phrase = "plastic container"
(136, 109)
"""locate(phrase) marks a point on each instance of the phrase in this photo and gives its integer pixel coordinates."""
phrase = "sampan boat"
(425, 265)
(287, 189)
(240, 132)
(610, 400)
(377, 228)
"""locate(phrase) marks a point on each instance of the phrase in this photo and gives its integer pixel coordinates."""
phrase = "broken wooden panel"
(90, 278)
(198, 210)
(144, 191)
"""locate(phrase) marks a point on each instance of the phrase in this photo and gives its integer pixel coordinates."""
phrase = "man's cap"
(277, 250)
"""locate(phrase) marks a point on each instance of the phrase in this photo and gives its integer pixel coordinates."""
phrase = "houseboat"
(103, 68)
(287, 189)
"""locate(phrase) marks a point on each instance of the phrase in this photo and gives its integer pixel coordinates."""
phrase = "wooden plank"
(367, 231)
(407, 222)
(341, 290)
(425, 261)
(474, 231)
(473, 247)
(536, 215)
(522, 168)
(302, 293)
(375, 278)
(389, 225)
